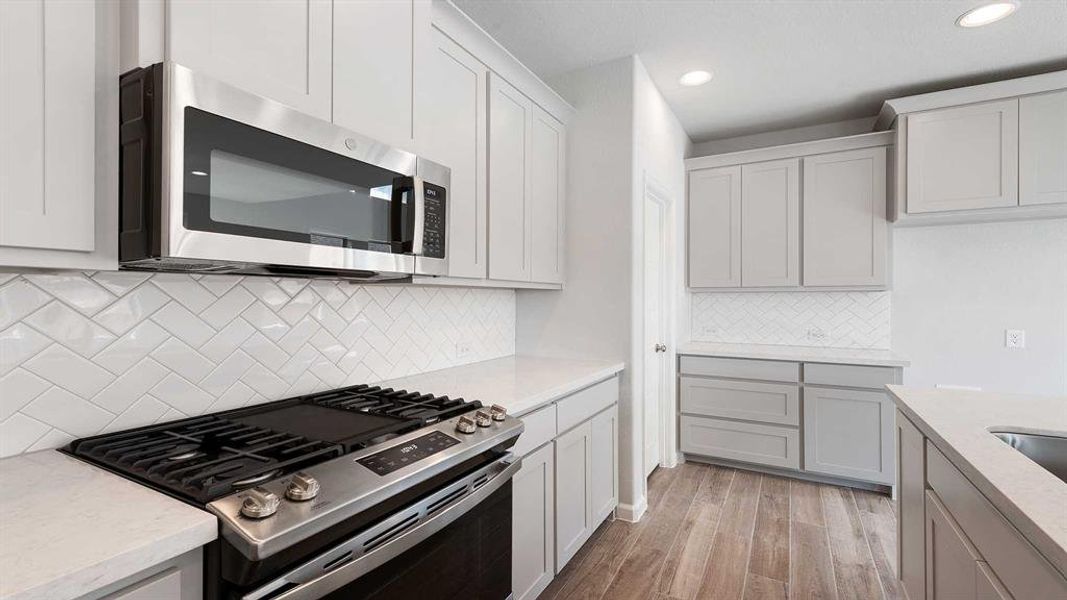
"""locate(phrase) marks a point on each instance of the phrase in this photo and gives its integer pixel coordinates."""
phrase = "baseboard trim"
(632, 513)
(827, 479)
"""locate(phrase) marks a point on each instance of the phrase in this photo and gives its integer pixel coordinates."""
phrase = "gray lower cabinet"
(180, 578)
(533, 493)
(819, 418)
(849, 433)
(951, 560)
(604, 480)
(964, 549)
(911, 508)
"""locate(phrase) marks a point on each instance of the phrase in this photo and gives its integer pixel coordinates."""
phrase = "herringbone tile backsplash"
(85, 353)
(834, 319)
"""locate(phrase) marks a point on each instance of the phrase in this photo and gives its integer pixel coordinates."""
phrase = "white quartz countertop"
(959, 422)
(68, 528)
(518, 383)
(813, 354)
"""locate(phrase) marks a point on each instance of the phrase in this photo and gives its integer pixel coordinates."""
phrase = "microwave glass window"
(235, 183)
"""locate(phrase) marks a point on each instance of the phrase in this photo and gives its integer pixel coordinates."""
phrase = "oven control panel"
(402, 455)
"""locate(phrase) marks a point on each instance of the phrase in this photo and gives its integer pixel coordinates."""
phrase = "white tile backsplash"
(831, 319)
(85, 353)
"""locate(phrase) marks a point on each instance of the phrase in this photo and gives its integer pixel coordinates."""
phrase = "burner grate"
(205, 457)
(426, 409)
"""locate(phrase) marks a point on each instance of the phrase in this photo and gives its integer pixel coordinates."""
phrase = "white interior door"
(655, 325)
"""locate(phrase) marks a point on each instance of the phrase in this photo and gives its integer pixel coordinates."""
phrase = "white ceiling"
(780, 64)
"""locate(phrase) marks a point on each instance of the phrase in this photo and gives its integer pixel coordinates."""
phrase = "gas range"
(332, 493)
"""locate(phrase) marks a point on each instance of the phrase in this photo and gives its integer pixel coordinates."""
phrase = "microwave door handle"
(418, 196)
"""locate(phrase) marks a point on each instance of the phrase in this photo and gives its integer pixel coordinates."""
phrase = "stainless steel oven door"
(408, 548)
(248, 180)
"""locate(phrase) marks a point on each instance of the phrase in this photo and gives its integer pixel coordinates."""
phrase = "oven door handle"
(373, 547)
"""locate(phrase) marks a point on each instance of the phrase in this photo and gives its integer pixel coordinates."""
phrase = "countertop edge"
(900, 362)
(565, 389)
(1034, 534)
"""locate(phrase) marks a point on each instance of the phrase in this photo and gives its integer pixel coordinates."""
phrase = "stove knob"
(466, 425)
(259, 503)
(302, 487)
(483, 419)
(498, 412)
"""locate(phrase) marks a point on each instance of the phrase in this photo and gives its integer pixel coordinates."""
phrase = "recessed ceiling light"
(986, 14)
(693, 78)
(199, 173)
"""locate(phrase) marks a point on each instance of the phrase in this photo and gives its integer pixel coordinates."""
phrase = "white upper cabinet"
(281, 50)
(770, 224)
(547, 188)
(963, 158)
(845, 218)
(510, 117)
(455, 119)
(58, 134)
(1043, 148)
(380, 49)
(714, 227)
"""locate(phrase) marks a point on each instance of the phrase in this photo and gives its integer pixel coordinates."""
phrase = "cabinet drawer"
(749, 400)
(540, 427)
(850, 375)
(741, 368)
(583, 404)
(771, 445)
(1019, 566)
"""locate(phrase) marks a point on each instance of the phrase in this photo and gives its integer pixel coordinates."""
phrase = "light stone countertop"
(812, 354)
(959, 422)
(68, 528)
(518, 383)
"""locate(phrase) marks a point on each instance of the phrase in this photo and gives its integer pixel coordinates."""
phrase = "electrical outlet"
(463, 349)
(1014, 338)
(816, 334)
(708, 331)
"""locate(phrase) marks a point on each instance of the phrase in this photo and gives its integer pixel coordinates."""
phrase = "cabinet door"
(48, 144)
(911, 508)
(533, 525)
(989, 587)
(376, 53)
(951, 560)
(714, 228)
(845, 218)
(573, 508)
(603, 481)
(509, 186)
(456, 136)
(1043, 148)
(770, 224)
(281, 50)
(849, 433)
(963, 158)
(547, 181)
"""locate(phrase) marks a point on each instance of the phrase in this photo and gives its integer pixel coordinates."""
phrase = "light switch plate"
(1014, 338)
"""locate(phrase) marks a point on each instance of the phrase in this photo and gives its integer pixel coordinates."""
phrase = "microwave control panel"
(433, 233)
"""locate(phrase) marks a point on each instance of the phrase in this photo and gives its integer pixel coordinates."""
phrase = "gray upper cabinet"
(964, 157)
(510, 116)
(714, 227)
(770, 224)
(845, 225)
(548, 141)
(1043, 148)
(457, 117)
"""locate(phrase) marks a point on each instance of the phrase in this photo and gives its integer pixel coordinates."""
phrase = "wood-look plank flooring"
(719, 533)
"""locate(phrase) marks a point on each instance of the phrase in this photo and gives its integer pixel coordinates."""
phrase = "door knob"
(661, 348)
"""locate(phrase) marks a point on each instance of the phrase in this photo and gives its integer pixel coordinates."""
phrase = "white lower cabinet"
(567, 486)
(180, 578)
(533, 524)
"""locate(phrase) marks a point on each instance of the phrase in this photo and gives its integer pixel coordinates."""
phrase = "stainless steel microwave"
(218, 180)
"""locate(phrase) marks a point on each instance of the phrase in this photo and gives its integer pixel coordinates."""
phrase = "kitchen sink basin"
(1049, 451)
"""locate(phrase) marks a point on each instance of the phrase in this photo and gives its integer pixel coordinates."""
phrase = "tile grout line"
(718, 524)
(752, 533)
(867, 539)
